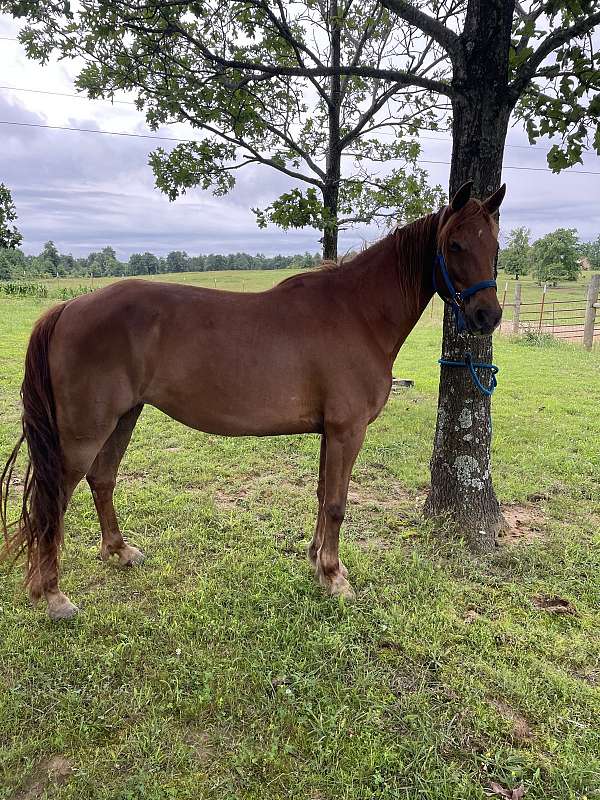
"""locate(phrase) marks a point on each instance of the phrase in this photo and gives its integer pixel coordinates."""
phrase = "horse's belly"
(234, 409)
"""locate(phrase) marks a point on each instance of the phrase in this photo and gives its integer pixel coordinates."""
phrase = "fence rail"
(570, 320)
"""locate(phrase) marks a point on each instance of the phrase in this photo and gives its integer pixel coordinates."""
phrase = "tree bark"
(331, 188)
(461, 480)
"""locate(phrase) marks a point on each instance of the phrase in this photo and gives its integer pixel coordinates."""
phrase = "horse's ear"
(492, 204)
(461, 198)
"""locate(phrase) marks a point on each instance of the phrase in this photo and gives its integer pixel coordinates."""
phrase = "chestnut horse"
(312, 355)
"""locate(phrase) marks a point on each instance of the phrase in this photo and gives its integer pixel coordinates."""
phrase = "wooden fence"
(574, 320)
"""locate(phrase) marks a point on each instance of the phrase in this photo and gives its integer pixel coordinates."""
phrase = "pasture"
(220, 670)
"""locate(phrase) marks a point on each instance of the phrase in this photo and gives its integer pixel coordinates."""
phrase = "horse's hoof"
(342, 588)
(336, 585)
(60, 607)
(130, 556)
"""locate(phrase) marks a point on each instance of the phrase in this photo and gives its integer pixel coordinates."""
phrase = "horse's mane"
(414, 243)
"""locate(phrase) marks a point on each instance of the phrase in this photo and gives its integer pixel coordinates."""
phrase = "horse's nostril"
(487, 319)
(481, 318)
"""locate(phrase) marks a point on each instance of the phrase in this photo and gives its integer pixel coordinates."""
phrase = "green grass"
(219, 670)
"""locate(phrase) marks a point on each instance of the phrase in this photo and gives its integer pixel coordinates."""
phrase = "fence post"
(542, 307)
(517, 309)
(590, 311)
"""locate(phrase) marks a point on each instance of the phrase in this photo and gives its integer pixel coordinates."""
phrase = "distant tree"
(196, 263)
(67, 265)
(143, 264)
(556, 256)
(5, 268)
(136, 265)
(591, 251)
(51, 258)
(515, 258)
(15, 262)
(177, 261)
(9, 235)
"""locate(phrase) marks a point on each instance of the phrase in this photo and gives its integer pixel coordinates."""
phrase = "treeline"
(558, 255)
(15, 265)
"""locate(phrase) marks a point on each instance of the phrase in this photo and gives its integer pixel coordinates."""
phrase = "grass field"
(219, 670)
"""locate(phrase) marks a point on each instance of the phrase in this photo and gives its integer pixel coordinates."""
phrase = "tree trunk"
(461, 481)
(331, 188)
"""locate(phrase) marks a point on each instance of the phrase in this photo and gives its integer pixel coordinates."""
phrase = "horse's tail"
(42, 506)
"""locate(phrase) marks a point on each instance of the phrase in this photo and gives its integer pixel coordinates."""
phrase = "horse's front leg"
(317, 540)
(343, 445)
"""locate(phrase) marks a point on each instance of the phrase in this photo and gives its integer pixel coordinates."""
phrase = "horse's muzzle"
(483, 321)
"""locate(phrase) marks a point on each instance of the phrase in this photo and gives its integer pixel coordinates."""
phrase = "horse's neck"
(394, 282)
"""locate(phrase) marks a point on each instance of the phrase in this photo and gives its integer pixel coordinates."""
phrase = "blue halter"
(457, 299)
(456, 302)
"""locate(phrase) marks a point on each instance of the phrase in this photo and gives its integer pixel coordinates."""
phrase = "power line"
(105, 133)
(196, 141)
(131, 103)
(64, 94)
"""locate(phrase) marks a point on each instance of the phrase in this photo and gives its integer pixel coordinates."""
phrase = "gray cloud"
(86, 190)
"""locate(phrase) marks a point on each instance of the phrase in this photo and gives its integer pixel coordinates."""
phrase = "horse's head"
(464, 272)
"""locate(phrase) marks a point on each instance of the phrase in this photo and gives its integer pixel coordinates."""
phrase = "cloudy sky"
(85, 190)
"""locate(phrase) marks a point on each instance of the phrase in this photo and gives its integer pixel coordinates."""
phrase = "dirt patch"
(198, 740)
(54, 770)
(554, 605)
(521, 730)
(591, 677)
(230, 500)
(396, 499)
(366, 543)
(525, 524)
(130, 477)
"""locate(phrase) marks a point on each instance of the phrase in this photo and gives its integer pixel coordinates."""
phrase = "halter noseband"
(457, 303)
(457, 299)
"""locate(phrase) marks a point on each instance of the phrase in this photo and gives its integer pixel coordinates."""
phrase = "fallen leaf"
(511, 794)
(499, 791)
(554, 605)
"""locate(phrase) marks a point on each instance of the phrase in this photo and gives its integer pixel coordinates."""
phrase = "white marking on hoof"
(336, 585)
(130, 556)
(60, 607)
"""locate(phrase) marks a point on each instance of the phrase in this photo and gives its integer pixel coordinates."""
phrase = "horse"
(312, 355)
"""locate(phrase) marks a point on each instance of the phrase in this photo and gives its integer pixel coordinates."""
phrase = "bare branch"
(429, 25)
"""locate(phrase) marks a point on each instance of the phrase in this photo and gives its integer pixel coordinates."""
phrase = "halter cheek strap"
(457, 299)
(456, 302)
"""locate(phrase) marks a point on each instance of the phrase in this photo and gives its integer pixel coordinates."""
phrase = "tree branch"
(429, 25)
(528, 70)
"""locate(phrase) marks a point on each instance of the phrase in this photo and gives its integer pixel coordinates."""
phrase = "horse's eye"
(455, 247)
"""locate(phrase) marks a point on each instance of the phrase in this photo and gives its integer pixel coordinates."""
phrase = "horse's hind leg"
(102, 478)
(317, 540)
(43, 577)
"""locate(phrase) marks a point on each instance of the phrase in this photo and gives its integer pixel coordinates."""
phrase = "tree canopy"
(515, 258)
(556, 256)
(9, 235)
(262, 82)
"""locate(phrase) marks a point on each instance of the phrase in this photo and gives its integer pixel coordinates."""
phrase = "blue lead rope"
(456, 302)
(472, 366)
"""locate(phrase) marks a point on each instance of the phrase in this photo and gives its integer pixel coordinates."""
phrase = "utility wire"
(131, 103)
(196, 141)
